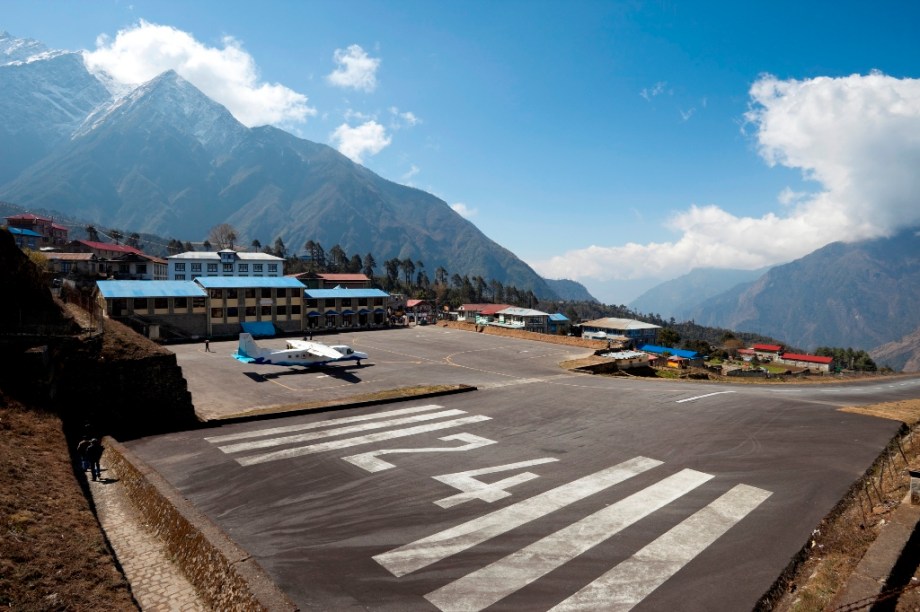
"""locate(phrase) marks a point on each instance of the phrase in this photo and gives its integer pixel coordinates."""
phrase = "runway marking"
(494, 582)
(328, 433)
(316, 425)
(631, 581)
(487, 491)
(691, 399)
(365, 439)
(370, 462)
(421, 553)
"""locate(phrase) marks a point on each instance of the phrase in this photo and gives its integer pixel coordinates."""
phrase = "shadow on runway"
(340, 372)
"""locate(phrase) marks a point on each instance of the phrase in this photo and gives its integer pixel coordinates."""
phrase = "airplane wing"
(317, 349)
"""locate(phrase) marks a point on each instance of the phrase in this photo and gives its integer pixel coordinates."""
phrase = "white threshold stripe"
(365, 439)
(624, 586)
(422, 553)
(691, 399)
(338, 431)
(483, 587)
(371, 462)
(316, 425)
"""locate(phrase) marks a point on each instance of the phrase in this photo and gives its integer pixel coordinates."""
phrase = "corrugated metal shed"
(522, 312)
(248, 282)
(332, 294)
(112, 289)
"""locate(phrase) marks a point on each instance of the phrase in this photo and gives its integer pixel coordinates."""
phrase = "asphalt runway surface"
(541, 490)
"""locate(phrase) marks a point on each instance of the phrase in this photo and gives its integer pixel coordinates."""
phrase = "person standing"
(207, 345)
(94, 455)
(82, 447)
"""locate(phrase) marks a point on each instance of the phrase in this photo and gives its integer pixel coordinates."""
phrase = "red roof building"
(768, 348)
(51, 233)
(823, 364)
(103, 250)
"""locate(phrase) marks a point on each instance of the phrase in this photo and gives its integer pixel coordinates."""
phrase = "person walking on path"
(207, 345)
(82, 447)
(93, 455)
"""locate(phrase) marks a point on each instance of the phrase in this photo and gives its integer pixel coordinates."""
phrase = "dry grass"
(53, 555)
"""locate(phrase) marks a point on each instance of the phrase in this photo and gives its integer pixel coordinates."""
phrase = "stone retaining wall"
(224, 575)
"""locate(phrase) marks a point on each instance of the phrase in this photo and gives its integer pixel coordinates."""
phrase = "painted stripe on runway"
(366, 439)
(338, 431)
(484, 587)
(371, 462)
(630, 582)
(272, 431)
(421, 553)
(691, 399)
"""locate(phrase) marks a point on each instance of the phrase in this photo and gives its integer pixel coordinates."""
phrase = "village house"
(812, 362)
(226, 262)
(52, 234)
(329, 280)
(26, 238)
(636, 333)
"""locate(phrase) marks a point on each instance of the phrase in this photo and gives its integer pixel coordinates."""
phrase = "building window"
(266, 312)
(312, 303)
(140, 304)
(329, 303)
(228, 268)
(196, 267)
(160, 303)
(281, 311)
(180, 304)
(256, 267)
(295, 309)
(232, 294)
(217, 313)
(346, 302)
(362, 301)
(215, 294)
(180, 276)
(272, 267)
(244, 267)
(212, 267)
(198, 302)
(266, 292)
(233, 312)
(249, 293)
(250, 312)
(180, 267)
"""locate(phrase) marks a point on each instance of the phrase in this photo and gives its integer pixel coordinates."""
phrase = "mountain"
(902, 354)
(168, 160)
(570, 290)
(860, 295)
(44, 100)
(677, 298)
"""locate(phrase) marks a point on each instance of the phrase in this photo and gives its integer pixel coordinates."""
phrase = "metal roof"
(111, 289)
(23, 232)
(558, 316)
(248, 282)
(522, 312)
(332, 294)
(619, 324)
(213, 255)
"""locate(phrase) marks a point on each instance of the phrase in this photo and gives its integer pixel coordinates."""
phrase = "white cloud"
(410, 174)
(356, 142)
(858, 137)
(685, 115)
(356, 69)
(464, 211)
(657, 90)
(406, 119)
(226, 74)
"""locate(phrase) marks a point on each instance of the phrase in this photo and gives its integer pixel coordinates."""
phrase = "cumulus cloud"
(356, 142)
(857, 137)
(403, 119)
(356, 69)
(226, 74)
(464, 211)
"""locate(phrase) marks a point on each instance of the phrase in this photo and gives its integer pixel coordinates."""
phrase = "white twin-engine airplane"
(298, 352)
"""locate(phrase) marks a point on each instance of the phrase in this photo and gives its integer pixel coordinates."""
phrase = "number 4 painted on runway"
(487, 492)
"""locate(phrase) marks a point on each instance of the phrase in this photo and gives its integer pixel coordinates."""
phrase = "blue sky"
(616, 143)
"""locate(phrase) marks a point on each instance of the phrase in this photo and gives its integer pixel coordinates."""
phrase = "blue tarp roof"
(558, 317)
(247, 282)
(259, 328)
(331, 294)
(111, 289)
(24, 232)
(652, 348)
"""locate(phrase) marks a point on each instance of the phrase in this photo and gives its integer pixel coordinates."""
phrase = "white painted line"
(316, 425)
(370, 462)
(633, 580)
(482, 588)
(487, 491)
(691, 399)
(421, 553)
(328, 433)
(366, 439)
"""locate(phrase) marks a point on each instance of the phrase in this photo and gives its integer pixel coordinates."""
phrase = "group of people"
(90, 452)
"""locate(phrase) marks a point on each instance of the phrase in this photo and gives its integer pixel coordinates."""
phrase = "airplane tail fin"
(248, 346)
